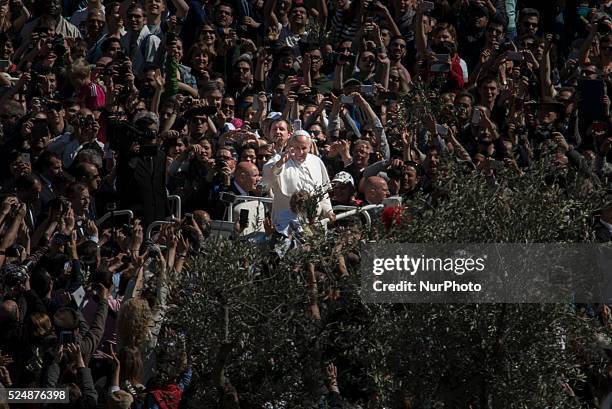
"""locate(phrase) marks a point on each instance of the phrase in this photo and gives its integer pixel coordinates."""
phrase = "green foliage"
(489, 356)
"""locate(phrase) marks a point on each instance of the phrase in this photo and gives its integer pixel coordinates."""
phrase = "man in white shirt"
(294, 170)
(140, 43)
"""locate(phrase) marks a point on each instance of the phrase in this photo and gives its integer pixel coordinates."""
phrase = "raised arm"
(545, 69)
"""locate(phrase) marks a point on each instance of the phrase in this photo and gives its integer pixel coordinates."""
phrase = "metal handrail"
(115, 213)
(154, 225)
(178, 208)
(355, 212)
(221, 229)
(242, 198)
(266, 200)
(344, 208)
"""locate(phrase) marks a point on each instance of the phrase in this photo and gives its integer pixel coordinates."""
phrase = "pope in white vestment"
(293, 170)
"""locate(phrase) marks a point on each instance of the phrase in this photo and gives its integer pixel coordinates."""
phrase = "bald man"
(246, 177)
(296, 169)
(375, 190)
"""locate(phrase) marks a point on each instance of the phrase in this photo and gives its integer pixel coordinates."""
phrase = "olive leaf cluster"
(392, 355)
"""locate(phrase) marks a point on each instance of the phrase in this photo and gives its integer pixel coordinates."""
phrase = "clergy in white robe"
(293, 170)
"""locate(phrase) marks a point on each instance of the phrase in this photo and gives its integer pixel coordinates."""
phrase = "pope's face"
(300, 148)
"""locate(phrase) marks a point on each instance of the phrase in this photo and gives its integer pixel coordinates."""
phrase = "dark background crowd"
(108, 106)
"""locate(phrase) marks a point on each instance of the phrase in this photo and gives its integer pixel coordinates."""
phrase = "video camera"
(122, 135)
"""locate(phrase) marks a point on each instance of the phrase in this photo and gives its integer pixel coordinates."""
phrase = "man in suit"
(89, 175)
(141, 171)
(27, 190)
(48, 166)
(246, 177)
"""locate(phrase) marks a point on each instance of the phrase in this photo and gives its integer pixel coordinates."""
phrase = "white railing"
(115, 213)
(175, 206)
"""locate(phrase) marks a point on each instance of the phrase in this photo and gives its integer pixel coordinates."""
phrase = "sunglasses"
(264, 157)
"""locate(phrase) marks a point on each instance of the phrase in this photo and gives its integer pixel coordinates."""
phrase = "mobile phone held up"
(66, 337)
(244, 218)
(346, 99)
(476, 117)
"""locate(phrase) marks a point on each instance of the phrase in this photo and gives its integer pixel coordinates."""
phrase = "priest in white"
(293, 170)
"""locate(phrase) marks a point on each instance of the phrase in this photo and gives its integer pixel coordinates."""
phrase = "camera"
(58, 45)
(220, 163)
(15, 276)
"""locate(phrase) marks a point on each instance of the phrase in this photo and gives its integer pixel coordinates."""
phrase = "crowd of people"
(108, 106)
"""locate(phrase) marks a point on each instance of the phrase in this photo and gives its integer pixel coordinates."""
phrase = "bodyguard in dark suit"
(141, 172)
(47, 166)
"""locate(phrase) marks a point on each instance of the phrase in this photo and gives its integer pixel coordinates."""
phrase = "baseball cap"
(274, 116)
(343, 178)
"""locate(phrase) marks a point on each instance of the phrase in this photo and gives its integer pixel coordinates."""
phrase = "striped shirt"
(342, 31)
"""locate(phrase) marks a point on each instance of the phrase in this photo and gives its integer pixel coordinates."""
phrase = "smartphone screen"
(514, 56)
(346, 99)
(476, 117)
(66, 337)
(244, 218)
(442, 130)
(428, 5)
(367, 89)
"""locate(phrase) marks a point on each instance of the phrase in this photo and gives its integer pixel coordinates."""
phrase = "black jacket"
(141, 183)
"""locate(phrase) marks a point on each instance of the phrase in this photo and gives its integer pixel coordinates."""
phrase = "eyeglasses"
(263, 157)
(315, 133)
(315, 58)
